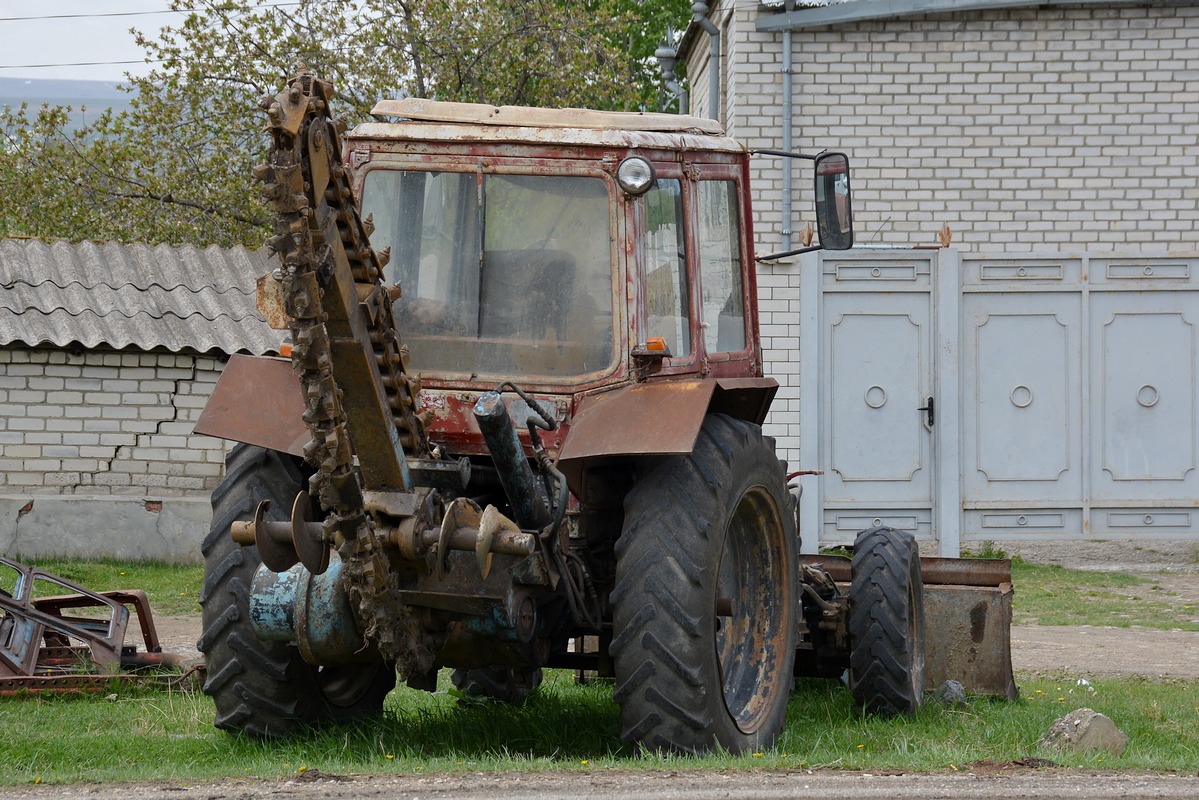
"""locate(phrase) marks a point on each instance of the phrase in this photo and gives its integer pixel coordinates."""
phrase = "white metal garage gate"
(990, 397)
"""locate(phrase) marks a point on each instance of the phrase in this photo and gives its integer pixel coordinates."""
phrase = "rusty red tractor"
(520, 428)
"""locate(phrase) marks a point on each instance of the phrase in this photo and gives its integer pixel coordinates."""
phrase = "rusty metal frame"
(969, 600)
(44, 647)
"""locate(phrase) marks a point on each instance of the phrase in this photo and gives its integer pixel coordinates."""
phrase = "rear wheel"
(266, 688)
(886, 622)
(704, 604)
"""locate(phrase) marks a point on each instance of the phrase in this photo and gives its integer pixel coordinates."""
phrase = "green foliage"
(143, 734)
(177, 166)
(987, 549)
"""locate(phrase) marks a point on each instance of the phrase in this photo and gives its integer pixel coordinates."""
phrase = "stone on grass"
(950, 694)
(1084, 730)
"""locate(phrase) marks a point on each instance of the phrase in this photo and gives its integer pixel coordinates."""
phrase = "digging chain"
(308, 188)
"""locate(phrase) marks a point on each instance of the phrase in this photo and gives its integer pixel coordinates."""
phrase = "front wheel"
(705, 598)
(266, 688)
(886, 622)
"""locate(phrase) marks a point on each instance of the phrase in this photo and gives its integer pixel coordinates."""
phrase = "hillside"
(95, 96)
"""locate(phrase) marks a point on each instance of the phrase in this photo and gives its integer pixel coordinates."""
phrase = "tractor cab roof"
(434, 120)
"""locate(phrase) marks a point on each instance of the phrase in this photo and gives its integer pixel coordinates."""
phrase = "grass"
(138, 734)
(1045, 594)
(172, 588)
(1053, 595)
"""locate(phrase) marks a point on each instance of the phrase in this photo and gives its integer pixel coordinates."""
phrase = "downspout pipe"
(788, 99)
(668, 57)
(699, 14)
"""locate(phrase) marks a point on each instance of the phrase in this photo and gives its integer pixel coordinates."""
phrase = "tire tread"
(885, 662)
(667, 679)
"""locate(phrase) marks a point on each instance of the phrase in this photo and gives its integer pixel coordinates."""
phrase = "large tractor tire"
(886, 622)
(705, 602)
(263, 688)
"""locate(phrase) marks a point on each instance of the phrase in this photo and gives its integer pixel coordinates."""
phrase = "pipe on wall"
(699, 13)
(668, 56)
(788, 139)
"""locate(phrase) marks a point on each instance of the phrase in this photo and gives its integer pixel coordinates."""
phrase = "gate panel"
(1068, 395)
(1145, 384)
(1022, 398)
(874, 390)
(877, 444)
(1145, 397)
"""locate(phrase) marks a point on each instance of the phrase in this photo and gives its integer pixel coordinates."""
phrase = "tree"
(176, 167)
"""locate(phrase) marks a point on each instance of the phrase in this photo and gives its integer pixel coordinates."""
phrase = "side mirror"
(834, 216)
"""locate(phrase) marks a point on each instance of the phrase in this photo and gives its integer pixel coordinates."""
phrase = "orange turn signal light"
(285, 349)
(654, 349)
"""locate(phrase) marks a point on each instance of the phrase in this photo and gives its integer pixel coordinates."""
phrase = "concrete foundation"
(104, 526)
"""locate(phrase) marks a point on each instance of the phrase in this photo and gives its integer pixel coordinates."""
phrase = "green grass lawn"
(1053, 595)
(132, 733)
(172, 588)
(142, 734)
(1045, 594)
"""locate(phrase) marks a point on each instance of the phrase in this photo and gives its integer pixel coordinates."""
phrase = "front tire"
(705, 599)
(886, 622)
(266, 689)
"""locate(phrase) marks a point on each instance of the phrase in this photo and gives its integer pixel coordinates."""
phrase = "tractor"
(520, 428)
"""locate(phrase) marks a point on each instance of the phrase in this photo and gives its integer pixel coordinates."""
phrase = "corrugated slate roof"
(132, 295)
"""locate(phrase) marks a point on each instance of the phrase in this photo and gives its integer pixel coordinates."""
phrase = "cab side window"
(723, 321)
(663, 252)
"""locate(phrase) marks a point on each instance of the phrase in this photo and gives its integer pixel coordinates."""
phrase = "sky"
(27, 43)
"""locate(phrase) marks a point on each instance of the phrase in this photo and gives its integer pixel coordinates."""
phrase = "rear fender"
(257, 400)
(659, 418)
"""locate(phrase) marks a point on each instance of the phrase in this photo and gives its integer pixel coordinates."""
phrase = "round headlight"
(635, 175)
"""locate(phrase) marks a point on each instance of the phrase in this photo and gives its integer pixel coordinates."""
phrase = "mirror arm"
(776, 256)
(785, 154)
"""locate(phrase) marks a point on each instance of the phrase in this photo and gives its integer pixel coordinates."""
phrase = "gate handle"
(931, 408)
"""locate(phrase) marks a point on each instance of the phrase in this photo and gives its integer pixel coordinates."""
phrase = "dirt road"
(1087, 652)
(987, 781)
(1084, 651)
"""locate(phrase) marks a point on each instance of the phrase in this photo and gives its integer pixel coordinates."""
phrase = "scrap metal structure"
(57, 636)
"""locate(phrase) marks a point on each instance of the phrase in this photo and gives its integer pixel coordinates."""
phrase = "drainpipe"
(699, 14)
(668, 56)
(788, 93)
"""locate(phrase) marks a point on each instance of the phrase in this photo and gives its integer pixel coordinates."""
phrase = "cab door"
(726, 302)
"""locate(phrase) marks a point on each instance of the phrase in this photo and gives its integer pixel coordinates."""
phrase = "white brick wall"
(106, 423)
(1033, 130)
(778, 318)
(1057, 129)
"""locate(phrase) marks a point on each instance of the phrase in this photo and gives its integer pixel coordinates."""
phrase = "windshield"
(501, 275)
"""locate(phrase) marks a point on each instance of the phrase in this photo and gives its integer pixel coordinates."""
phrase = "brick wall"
(778, 320)
(106, 423)
(1064, 128)
(1035, 130)
(97, 454)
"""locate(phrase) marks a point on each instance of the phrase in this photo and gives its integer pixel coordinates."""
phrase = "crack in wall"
(143, 439)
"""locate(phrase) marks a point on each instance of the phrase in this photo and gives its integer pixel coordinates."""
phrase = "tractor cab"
(573, 252)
